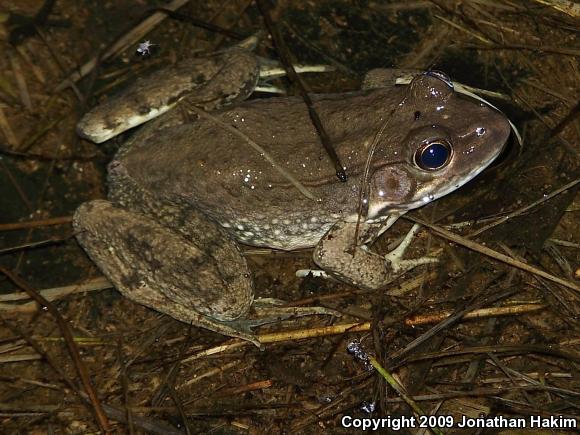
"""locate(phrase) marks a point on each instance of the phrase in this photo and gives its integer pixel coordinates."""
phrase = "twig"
(71, 346)
(455, 317)
(566, 6)
(475, 314)
(125, 385)
(7, 129)
(540, 49)
(491, 253)
(254, 386)
(31, 245)
(212, 372)
(202, 24)
(276, 337)
(16, 185)
(52, 294)
(64, 220)
(42, 157)
(568, 119)
(20, 82)
(286, 60)
(400, 390)
(522, 210)
(501, 349)
(481, 392)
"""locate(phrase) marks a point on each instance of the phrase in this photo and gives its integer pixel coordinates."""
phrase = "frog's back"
(198, 164)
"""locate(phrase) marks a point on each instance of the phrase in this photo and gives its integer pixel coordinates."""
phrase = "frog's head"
(447, 139)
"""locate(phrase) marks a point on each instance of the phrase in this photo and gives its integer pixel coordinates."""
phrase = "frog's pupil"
(433, 156)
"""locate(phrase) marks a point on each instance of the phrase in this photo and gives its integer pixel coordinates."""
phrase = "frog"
(218, 170)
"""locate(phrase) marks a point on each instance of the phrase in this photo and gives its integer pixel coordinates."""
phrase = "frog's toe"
(272, 307)
(395, 257)
(268, 310)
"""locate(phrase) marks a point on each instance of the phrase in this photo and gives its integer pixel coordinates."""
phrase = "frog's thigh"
(360, 268)
(157, 267)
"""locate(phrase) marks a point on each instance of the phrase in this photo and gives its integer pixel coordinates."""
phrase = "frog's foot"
(357, 265)
(154, 299)
(395, 257)
(268, 310)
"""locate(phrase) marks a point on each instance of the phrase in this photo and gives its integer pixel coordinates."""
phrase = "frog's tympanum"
(185, 189)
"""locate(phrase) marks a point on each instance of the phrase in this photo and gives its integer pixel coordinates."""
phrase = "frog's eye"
(433, 155)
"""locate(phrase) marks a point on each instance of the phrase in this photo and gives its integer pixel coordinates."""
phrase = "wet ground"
(152, 374)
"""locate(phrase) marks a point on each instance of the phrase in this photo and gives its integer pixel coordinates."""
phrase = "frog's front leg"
(357, 265)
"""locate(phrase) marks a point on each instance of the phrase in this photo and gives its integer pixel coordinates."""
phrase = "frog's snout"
(487, 135)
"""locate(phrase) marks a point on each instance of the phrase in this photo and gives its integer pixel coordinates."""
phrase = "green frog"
(187, 188)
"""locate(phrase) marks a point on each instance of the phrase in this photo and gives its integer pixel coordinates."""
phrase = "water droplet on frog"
(470, 150)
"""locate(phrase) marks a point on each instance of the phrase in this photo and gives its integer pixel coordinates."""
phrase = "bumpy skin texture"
(182, 189)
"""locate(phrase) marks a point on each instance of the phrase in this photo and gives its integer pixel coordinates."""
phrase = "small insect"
(368, 407)
(144, 48)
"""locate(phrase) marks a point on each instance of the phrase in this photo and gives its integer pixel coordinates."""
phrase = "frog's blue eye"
(433, 155)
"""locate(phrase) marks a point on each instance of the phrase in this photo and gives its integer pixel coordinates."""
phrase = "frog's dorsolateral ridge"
(184, 191)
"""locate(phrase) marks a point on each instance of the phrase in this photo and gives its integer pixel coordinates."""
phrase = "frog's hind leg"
(157, 267)
(180, 264)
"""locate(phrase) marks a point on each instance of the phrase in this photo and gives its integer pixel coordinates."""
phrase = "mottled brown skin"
(224, 177)
(237, 70)
(182, 189)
